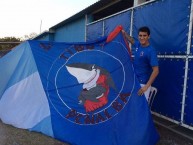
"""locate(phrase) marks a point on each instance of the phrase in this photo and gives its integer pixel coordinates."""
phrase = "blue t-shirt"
(144, 59)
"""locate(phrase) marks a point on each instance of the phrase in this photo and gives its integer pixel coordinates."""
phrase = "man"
(145, 60)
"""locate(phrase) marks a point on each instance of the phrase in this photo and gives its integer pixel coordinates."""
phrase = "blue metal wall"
(168, 20)
(103, 28)
(169, 23)
(121, 19)
(170, 88)
(95, 31)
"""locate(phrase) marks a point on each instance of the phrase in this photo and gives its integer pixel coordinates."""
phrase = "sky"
(23, 17)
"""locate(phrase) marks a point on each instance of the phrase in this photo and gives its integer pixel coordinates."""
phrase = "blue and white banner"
(79, 93)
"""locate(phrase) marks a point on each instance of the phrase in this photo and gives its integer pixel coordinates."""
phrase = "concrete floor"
(171, 133)
(168, 137)
(10, 135)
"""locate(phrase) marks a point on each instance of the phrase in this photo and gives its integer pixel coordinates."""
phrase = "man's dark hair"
(144, 29)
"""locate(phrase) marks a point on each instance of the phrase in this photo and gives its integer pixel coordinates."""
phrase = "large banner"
(79, 93)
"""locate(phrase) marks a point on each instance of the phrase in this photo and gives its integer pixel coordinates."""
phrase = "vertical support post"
(131, 26)
(187, 62)
(135, 3)
(103, 28)
(40, 26)
(85, 32)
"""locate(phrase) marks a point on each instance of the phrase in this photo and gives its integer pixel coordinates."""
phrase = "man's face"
(143, 38)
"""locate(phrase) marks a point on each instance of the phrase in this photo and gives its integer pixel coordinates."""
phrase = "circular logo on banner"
(88, 86)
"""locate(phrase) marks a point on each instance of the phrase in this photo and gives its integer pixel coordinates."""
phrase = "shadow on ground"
(172, 133)
(10, 135)
(170, 138)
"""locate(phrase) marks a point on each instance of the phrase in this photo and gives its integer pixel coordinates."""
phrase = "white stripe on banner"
(24, 104)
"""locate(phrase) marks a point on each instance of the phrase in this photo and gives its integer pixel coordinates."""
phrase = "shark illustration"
(96, 83)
